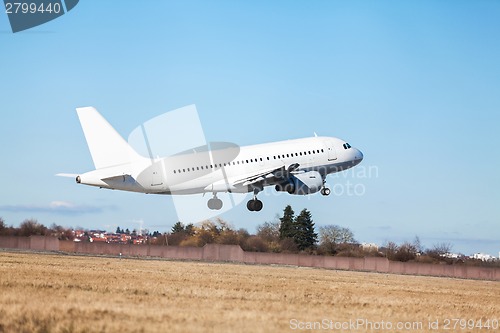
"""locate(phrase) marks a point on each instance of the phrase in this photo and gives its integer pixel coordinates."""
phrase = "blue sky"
(415, 85)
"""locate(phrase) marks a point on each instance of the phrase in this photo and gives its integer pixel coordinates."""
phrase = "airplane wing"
(267, 175)
(255, 178)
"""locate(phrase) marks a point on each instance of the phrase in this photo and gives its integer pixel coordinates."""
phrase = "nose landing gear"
(325, 191)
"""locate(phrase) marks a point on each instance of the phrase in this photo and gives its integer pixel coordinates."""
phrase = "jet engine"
(302, 183)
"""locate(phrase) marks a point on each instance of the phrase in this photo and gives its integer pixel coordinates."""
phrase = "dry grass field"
(58, 293)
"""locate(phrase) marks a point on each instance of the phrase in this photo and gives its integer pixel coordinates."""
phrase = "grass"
(57, 293)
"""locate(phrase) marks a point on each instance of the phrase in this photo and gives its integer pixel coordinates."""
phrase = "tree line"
(31, 227)
(288, 233)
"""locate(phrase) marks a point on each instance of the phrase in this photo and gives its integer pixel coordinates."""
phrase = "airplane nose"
(358, 156)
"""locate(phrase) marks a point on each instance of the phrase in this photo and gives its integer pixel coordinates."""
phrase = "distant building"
(105, 237)
(97, 239)
(79, 233)
(369, 247)
(483, 257)
(451, 255)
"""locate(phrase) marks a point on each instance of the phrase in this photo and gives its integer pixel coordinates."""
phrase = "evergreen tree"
(305, 237)
(178, 228)
(287, 225)
(118, 230)
(189, 229)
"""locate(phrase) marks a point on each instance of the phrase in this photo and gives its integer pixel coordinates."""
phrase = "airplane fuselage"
(217, 170)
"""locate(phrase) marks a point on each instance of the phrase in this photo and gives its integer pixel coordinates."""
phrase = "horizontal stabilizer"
(68, 175)
(123, 182)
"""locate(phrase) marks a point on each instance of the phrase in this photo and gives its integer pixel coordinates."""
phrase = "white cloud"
(57, 207)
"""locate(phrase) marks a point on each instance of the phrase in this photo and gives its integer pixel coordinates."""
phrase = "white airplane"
(295, 166)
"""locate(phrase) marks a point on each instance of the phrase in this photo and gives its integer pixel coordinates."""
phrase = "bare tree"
(438, 250)
(32, 227)
(391, 248)
(269, 231)
(331, 236)
(336, 234)
(418, 245)
(406, 252)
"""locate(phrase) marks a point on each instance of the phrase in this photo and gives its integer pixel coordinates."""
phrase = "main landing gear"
(255, 205)
(215, 203)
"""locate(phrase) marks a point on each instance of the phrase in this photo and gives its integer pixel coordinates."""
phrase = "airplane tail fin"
(106, 146)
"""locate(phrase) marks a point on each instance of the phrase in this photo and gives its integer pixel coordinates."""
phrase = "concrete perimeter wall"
(234, 253)
(40, 243)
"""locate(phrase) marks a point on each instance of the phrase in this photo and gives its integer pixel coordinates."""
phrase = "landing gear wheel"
(215, 204)
(325, 191)
(250, 205)
(211, 204)
(254, 205)
(218, 204)
(257, 205)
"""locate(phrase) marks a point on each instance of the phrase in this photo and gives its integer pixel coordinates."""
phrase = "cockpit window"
(346, 145)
